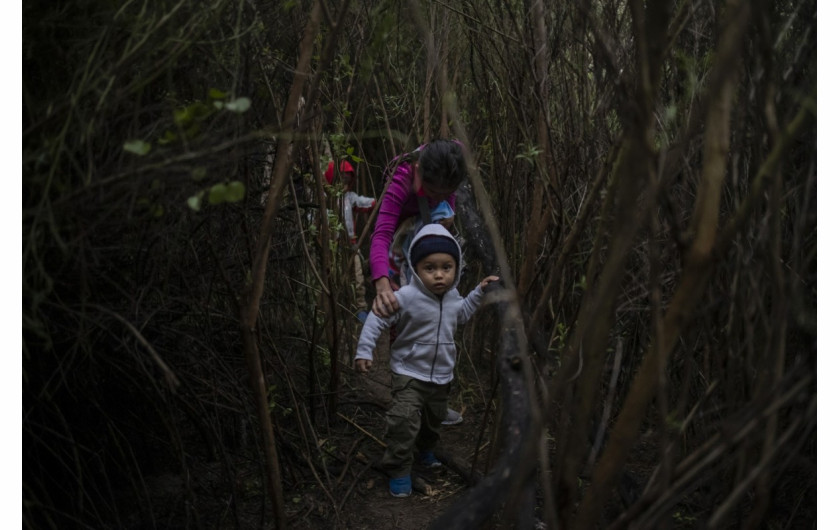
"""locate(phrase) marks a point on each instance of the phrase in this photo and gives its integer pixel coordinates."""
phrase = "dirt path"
(370, 505)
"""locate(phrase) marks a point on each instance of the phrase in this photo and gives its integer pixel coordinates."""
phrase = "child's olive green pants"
(417, 409)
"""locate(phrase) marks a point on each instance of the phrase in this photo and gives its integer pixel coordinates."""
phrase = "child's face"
(437, 272)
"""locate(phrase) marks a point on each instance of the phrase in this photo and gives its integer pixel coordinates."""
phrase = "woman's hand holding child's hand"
(385, 303)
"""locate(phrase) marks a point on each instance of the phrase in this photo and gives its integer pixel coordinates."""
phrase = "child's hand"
(363, 365)
(486, 281)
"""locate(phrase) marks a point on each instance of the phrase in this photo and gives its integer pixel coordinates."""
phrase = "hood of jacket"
(434, 229)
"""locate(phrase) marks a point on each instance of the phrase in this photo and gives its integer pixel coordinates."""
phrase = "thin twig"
(168, 374)
(361, 429)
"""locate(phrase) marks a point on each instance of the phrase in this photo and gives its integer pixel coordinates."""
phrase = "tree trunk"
(254, 291)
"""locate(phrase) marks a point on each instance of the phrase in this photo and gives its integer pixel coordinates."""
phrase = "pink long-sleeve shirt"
(398, 204)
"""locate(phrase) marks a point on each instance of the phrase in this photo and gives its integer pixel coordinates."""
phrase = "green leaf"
(239, 105)
(183, 115)
(670, 113)
(194, 202)
(167, 138)
(200, 110)
(235, 191)
(138, 147)
(218, 193)
(215, 93)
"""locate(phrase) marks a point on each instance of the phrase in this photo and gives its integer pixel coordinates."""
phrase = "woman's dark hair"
(442, 164)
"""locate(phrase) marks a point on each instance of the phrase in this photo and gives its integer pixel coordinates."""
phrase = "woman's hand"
(385, 303)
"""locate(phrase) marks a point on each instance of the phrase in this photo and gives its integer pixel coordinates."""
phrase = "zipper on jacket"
(437, 339)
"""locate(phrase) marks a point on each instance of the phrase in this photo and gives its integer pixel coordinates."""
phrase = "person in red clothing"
(351, 203)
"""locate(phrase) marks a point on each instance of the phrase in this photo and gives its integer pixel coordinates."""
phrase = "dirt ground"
(370, 505)
(346, 490)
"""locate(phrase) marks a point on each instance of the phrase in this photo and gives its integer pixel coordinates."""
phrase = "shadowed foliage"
(642, 177)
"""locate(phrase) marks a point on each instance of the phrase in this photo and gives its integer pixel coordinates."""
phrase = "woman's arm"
(388, 219)
(391, 212)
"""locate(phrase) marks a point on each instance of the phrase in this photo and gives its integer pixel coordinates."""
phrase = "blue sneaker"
(362, 316)
(401, 486)
(428, 459)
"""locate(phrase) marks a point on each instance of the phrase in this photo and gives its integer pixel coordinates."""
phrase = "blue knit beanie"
(431, 245)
